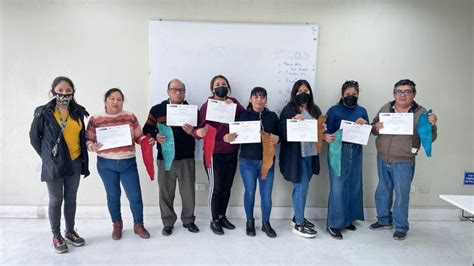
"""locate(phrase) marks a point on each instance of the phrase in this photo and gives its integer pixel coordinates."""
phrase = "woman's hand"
(201, 132)
(378, 126)
(95, 147)
(229, 101)
(433, 119)
(361, 121)
(160, 138)
(329, 138)
(188, 129)
(229, 137)
(298, 117)
(274, 138)
(151, 141)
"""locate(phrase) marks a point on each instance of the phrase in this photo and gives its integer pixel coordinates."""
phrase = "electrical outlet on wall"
(201, 187)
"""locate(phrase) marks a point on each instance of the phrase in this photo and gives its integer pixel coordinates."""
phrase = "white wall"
(101, 44)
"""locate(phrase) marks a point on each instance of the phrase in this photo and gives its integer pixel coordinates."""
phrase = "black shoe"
(305, 222)
(226, 223)
(192, 227)
(216, 227)
(267, 228)
(304, 231)
(74, 239)
(334, 233)
(167, 230)
(399, 235)
(351, 227)
(250, 227)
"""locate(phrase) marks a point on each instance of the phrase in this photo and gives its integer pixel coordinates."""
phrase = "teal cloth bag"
(425, 132)
(167, 148)
(335, 153)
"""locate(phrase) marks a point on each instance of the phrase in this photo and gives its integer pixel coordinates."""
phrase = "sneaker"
(305, 222)
(304, 231)
(379, 226)
(334, 233)
(399, 235)
(350, 227)
(59, 244)
(74, 239)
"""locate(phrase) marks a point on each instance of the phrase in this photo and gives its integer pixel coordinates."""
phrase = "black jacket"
(269, 120)
(290, 152)
(184, 144)
(43, 134)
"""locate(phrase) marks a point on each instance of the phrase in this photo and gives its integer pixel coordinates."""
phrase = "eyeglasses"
(180, 90)
(404, 93)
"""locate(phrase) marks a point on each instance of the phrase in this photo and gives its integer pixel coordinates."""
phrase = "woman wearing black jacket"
(58, 135)
(250, 161)
(299, 160)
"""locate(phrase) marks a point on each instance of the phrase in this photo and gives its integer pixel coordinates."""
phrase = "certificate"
(247, 132)
(396, 123)
(302, 130)
(220, 111)
(180, 114)
(355, 133)
(114, 136)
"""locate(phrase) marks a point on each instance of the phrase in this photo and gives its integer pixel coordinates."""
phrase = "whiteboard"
(272, 56)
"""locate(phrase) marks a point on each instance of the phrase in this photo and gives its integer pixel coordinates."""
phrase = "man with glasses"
(183, 167)
(396, 161)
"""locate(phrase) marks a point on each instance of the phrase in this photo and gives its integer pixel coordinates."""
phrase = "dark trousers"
(221, 179)
(64, 189)
(182, 171)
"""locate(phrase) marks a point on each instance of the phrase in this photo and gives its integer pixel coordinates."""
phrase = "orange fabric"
(321, 129)
(268, 154)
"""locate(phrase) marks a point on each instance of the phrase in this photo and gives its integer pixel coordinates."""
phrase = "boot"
(140, 230)
(267, 228)
(250, 227)
(117, 232)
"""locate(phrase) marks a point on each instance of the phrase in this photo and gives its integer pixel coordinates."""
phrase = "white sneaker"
(304, 231)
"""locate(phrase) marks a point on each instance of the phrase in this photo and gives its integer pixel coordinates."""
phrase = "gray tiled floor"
(27, 241)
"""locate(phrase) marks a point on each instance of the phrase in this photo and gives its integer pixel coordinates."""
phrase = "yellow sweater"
(71, 134)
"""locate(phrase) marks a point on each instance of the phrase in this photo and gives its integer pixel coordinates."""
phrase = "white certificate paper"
(247, 132)
(302, 130)
(355, 133)
(179, 114)
(396, 123)
(220, 111)
(114, 136)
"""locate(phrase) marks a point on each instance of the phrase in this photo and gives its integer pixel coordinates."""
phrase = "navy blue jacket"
(290, 152)
(269, 120)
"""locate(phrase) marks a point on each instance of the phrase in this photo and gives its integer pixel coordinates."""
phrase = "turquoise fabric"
(425, 132)
(167, 148)
(335, 153)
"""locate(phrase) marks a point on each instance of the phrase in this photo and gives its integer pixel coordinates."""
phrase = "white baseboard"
(202, 212)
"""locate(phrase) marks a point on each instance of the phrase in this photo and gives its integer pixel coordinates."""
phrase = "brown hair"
(222, 77)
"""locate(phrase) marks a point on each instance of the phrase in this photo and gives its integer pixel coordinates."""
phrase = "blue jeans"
(345, 203)
(393, 177)
(300, 190)
(251, 170)
(114, 172)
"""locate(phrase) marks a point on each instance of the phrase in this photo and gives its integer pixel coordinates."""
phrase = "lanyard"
(63, 126)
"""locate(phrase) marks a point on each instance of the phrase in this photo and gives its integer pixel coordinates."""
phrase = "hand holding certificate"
(355, 133)
(220, 111)
(114, 136)
(396, 123)
(302, 130)
(247, 132)
(180, 114)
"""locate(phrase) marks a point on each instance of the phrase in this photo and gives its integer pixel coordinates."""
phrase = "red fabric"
(147, 154)
(208, 145)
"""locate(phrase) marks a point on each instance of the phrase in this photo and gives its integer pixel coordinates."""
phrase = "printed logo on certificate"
(302, 130)
(179, 114)
(247, 132)
(220, 111)
(355, 133)
(113, 136)
(396, 123)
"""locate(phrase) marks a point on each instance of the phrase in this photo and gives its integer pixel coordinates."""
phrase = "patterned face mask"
(64, 99)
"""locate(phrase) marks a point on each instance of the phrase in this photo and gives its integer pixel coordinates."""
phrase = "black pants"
(221, 179)
(64, 189)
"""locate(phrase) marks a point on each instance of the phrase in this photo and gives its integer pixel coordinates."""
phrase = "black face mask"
(221, 91)
(350, 101)
(303, 98)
